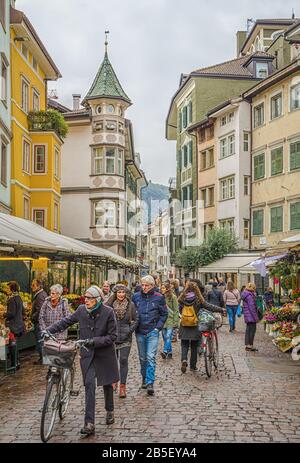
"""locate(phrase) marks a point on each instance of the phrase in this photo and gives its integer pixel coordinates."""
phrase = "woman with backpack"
(232, 300)
(172, 320)
(191, 302)
(127, 320)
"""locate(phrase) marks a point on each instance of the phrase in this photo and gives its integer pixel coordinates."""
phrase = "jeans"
(123, 355)
(250, 333)
(185, 345)
(167, 334)
(147, 347)
(231, 311)
(90, 396)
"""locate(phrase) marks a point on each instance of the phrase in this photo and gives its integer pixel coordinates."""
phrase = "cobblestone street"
(253, 398)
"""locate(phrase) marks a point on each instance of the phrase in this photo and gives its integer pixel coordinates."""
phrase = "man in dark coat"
(97, 325)
(38, 299)
(215, 296)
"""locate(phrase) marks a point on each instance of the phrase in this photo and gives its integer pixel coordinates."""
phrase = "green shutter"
(184, 112)
(190, 112)
(185, 156)
(295, 216)
(259, 167)
(190, 152)
(258, 222)
(276, 219)
(294, 156)
(276, 161)
(179, 160)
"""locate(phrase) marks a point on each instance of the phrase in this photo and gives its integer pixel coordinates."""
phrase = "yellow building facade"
(36, 143)
(275, 198)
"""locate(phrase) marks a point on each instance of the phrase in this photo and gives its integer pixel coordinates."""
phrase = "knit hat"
(120, 287)
(96, 292)
(190, 295)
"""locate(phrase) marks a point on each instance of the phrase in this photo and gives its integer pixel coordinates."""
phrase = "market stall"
(28, 251)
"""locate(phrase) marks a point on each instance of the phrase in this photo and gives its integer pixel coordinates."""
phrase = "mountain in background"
(156, 197)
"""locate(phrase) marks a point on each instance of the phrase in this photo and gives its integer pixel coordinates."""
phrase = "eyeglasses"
(89, 297)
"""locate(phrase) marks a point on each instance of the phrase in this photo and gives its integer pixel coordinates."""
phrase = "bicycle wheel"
(208, 356)
(50, 407)
(216, 350)
(65, 394)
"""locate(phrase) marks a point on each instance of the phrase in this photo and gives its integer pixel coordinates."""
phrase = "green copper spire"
(106, 83)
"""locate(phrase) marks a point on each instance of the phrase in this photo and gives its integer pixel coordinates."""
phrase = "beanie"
(96, 292)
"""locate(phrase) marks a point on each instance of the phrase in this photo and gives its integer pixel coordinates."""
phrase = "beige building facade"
(275, 157)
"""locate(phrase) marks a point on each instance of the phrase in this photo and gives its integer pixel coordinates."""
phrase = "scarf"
(120, 308)
(90, 311)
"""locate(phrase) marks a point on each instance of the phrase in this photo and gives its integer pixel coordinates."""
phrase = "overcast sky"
(151, 43)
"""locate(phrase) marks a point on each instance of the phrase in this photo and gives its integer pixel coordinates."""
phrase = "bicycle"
(60, 382)
(210, 343)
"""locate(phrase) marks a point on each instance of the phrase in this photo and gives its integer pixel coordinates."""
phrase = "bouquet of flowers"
(269, 317)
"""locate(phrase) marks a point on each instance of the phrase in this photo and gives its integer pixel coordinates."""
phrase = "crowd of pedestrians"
(111, 315)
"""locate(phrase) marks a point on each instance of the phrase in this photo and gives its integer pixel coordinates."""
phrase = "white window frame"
(4, 86)
(35, 94)
(246, 228)
(26, 156)
(223, 148)
(265, 68)
(120, 162)
(56, 162)
(230, 117)
(107, 215)
(246, 185)
(25, 88)
(292, 88)
(98, 158)
(106, 149)
(34, 170)
(26, 204)
(272, 97)
(56, 216)
(231, 144)
(246, 140)
(3, 163)
(227, 188)
(262, 104)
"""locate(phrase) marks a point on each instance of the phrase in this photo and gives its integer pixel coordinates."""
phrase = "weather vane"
(106, 42)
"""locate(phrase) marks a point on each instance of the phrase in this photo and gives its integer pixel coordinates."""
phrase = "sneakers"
(252, 349)
(110, 417)
(144, 385)
(192, 368)
(150, 389)
(164, 355)
(169, 355)
(88, 429)
(122, 393)
(184, 366)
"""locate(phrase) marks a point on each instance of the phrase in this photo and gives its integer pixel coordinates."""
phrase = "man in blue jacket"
(153, 313)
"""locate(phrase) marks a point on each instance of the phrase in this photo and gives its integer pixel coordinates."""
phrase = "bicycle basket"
(59, 354)
(207, 326)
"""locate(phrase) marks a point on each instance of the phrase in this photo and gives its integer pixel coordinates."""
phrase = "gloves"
(89, 342)
(45, 334)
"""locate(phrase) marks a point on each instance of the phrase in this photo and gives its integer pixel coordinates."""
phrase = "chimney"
(240, 40)
(76, 101)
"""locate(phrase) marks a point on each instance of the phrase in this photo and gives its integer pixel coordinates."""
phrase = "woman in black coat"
(127, 321)
(97, 324)
(15, 310)
(189, 335)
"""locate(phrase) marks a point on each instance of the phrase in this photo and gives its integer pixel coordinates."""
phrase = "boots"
(122, 393)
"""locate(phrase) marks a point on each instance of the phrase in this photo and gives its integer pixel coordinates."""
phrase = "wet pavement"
(254, 397)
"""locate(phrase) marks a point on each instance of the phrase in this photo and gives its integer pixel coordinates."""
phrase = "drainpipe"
(250, 212)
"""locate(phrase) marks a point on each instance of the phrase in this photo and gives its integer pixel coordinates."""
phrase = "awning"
(232, 263)
(290, 243)
(261, 264)
(19, 236)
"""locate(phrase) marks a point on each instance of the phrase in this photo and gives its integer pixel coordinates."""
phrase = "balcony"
(43, 121)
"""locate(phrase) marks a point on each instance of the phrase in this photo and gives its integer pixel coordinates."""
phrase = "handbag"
(239, 311)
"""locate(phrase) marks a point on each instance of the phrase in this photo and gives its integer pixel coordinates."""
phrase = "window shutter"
(184, 117)
(185, 150)
(190, 152)
(180, 120)
(190, 112)
(179, 159)
(295, 216)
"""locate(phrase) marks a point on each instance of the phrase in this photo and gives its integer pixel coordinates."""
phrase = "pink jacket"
(231, 297)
